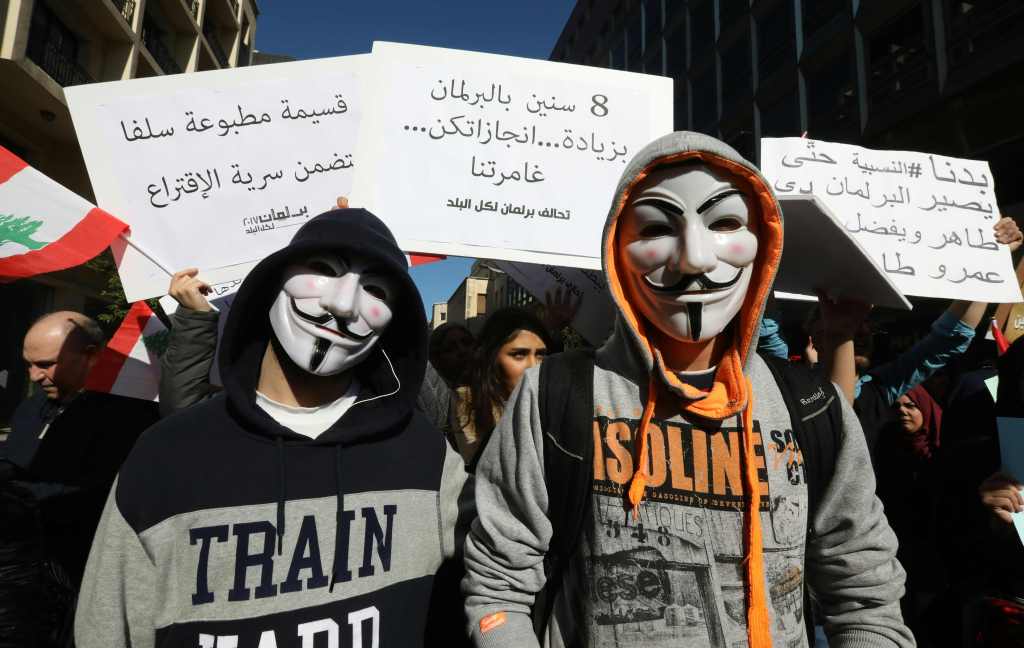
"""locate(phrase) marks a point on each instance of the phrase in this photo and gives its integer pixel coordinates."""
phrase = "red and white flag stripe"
(45, 227)
(128, 366)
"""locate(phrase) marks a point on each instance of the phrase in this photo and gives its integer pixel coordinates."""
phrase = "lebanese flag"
(130, 363)
(45, 227)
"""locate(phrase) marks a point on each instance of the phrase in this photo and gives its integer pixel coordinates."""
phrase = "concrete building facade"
(47, 45)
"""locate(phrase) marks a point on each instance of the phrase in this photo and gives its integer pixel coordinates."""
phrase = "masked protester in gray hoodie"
(696, 529)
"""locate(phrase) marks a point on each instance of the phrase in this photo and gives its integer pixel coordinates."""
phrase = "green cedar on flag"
(45, 227)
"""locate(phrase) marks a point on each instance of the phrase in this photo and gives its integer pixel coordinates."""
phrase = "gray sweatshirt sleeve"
(185, 365)
(456, 503)
(116, 604)
(851, 554)
(508, 540)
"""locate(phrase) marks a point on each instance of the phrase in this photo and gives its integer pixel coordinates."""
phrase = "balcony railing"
(127, 9)
(152, 38)
(218, 51)
(62, 69)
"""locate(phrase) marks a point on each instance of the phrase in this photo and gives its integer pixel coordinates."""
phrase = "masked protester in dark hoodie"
(253, 522)
(679, 551)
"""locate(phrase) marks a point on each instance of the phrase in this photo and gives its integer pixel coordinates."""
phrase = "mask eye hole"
(656, 230)
(377, 292)
(725, 225)
(322, 268)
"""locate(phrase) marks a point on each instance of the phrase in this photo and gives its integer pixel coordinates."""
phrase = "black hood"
(379, 411)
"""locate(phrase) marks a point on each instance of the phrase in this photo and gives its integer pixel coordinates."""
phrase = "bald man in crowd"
(65, 447)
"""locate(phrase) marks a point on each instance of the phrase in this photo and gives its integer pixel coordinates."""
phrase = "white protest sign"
(596, 315)
(216, 169)
(925, 219)
(491, 156)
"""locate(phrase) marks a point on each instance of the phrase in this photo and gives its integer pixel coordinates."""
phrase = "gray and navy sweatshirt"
(720, 550)
(227, 530)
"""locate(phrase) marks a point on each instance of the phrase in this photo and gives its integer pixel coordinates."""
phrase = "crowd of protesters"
(934, 454)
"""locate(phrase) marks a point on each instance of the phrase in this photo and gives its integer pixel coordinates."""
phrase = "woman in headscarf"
(919, 418)
(908, 479)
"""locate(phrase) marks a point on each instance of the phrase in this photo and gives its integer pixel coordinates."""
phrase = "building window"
(730, 13)
(737, 77)
(153, 38)
(635, 38)
(675, 53)
(54, 47)
(654, 63)
(652, 21)
(897, 58)
(702, 29)
(681, 118)
(775, 42)
(975, 27)
(781, 117)
(832, 100)
(705, 102)
(617, 54)
(675, 13)
(819, 13)
(741, 138)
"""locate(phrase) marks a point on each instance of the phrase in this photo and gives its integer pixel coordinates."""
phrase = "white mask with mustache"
(330, 312)
(687, 250)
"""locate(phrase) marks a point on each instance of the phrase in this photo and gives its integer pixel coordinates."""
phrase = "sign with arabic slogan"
(217, 169)
(926, 220)
(491, 156)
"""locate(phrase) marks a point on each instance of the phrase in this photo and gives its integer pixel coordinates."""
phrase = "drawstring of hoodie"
(339, 509)
(281, 493)
(758, 627)
(641, 475)
(338, 513)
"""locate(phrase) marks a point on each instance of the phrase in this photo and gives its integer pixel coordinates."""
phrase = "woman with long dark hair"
(512, 341)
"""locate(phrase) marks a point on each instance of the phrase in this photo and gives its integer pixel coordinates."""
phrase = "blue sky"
(319, 28)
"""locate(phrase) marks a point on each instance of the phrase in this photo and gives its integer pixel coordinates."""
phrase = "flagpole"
(141, 250)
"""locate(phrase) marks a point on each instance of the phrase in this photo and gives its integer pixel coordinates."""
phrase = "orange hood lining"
(728, 397)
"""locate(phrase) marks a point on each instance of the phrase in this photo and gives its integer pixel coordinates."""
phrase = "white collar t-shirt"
(309, 421)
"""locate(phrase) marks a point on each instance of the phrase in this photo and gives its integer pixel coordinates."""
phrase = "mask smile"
(319, 320)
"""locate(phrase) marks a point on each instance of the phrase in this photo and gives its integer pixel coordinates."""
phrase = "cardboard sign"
(217, 169)
(491, 156)
(813, 233)
(926, 220)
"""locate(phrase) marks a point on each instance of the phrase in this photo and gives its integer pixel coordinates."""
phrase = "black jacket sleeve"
(185, 365)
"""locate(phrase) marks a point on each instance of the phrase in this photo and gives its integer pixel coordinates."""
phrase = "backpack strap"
(816, 413)
(566, 403)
